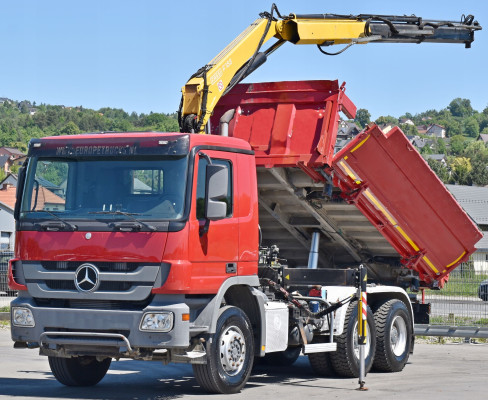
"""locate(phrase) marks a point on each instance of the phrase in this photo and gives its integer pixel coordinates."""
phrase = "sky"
(136, 55)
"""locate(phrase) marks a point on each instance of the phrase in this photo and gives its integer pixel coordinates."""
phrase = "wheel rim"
(355, 341)
(232, 350)
(398, 336)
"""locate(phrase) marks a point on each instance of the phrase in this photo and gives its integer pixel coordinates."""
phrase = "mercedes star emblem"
(87, 278)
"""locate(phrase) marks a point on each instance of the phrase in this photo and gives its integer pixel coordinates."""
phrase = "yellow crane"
(243, 55)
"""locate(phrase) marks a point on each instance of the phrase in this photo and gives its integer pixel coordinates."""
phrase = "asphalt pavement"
(453, 371)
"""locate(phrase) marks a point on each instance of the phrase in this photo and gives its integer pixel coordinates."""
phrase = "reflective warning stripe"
(348, 170)
(407, 238)
(380, 206)
(360, 144)
(429, 263)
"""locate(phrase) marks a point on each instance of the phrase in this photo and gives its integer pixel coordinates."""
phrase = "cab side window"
(202, 163)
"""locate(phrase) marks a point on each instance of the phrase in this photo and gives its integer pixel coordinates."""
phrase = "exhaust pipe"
(224, 122)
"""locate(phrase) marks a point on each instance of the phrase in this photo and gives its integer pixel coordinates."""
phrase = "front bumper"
(99, 331)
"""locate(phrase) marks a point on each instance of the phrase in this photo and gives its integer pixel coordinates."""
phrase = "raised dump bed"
(386, 208)
(392, 185)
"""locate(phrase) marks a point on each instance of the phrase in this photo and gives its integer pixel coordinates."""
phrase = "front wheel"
(230, 354)
(79, 371)
(393, 336)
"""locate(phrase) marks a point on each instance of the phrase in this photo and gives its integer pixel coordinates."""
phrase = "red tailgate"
(392, 185)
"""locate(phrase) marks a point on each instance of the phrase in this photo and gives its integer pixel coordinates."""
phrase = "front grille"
(113, 281)
(102, 266)
(95, 304)
(104, 286)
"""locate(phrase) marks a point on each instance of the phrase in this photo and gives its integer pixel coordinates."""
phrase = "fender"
(376, 294)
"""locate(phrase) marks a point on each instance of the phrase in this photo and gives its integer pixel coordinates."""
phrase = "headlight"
(157, 322)
(22, 317)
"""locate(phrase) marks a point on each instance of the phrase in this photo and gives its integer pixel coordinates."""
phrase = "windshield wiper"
(130, 215)
(50, 225)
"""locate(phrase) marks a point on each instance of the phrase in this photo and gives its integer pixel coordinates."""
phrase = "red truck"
(216, 249)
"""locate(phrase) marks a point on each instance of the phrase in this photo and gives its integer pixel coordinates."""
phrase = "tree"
(479, 173)
(385, 120)
(363, 117)
(70, 129)
(457, 144)
(471, 127)
(441, 146)
(408, 129)
(461, 170)
(476, 151)
(460, 107)
(440, 169)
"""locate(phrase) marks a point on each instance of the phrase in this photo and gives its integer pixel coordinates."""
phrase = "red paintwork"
(287, 123)
(426, 225)
(198, 264)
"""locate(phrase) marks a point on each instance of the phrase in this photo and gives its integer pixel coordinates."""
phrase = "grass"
(461, 284)
(5, 309)
(458, 321)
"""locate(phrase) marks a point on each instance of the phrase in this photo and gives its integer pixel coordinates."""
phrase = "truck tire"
(393, 336)
(345, 360)
(230, 354)
(283, 358)
(320, 362)
(79, 371)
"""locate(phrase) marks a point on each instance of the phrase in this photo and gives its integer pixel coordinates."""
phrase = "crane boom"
(243, 55)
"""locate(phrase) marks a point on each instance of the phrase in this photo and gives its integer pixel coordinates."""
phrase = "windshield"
(94, 188)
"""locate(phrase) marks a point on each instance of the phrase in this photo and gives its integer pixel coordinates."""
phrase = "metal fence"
(6, 294)
(461, 308)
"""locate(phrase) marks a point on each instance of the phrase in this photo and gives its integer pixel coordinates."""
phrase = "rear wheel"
(230, 354)
(320, 362)
(393, 336)
(79, 371)
(345, 360)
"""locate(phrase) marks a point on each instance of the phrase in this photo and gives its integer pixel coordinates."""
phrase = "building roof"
(483, 243)
(12, 151)
(3, 160)
(46, 196)
(474, 200)
(7, 196)
(484, 137)
(437, 157)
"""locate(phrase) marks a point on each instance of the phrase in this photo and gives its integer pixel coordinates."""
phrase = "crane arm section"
(243, 55)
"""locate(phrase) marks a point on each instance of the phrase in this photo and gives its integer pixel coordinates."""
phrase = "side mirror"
(18, 194)
(217, 184)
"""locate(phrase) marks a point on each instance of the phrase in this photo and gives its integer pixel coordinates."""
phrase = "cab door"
(213, 246)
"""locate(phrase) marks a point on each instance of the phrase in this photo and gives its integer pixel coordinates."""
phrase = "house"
(10, 179)
(4, 100)
(407, 121)
(422, 129)
(47, 200)
(483, 137)
(386, 128)
(4, 163)
(345, 132)
(417, 141)
(7, 221)
(438, 157)
(474, 200)
(436, 130)
(11, 152)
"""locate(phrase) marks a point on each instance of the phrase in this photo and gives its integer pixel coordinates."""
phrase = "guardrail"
(460, 309)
